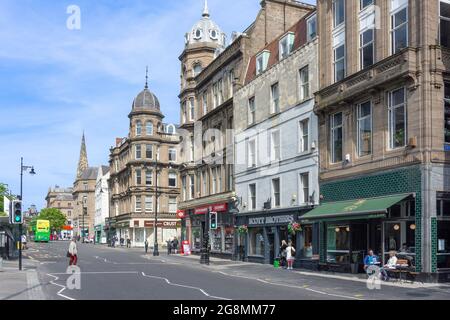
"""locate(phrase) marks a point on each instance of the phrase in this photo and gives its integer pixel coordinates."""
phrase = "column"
(277, 242)
(266, 246)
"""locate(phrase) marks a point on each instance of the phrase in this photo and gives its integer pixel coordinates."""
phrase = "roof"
(89, 174)
(105, 169)
(300, 31)
(146, 100)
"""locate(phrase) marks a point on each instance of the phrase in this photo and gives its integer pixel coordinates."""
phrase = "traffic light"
(213, 221)
(17, 212)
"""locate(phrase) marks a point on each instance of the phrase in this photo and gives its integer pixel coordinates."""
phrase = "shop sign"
(162, 224)
(271, 220)
(222, 207)
(181, 214)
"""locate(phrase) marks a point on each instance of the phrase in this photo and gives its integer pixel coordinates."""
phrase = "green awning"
(372, 208)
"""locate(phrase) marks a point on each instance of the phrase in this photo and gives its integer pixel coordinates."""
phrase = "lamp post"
(32, 172)
(204, 256)
(155, 245)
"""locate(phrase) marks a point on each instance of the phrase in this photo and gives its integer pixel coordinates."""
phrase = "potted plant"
(243, 229)
(294, 227)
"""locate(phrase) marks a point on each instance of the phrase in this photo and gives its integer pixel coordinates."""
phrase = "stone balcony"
(399, 66)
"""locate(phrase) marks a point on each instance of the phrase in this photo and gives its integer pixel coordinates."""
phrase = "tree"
(3, 192)
(55, 216)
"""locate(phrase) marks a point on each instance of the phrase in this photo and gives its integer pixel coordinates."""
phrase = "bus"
(42, 233)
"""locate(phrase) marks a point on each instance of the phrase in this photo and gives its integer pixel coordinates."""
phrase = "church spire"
(206, 10)
(83, 161)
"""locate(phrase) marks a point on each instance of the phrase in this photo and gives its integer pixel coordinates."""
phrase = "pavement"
(130, 274)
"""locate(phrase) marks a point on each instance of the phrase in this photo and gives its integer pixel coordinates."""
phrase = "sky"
(57, 82)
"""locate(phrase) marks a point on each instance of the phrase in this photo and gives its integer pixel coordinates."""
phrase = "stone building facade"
(144, 179)
(384, 130)
(276, 136)
(84, 196)
(62, 199)
(211, 73)
(101, 204)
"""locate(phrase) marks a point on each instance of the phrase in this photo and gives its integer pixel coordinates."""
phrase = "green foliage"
(55, 216)
(3, 192)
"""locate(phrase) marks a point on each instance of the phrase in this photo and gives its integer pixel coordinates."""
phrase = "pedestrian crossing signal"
(17, 212)
(213, 221)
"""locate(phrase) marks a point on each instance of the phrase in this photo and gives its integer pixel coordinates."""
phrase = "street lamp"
(32, 172)
(155, 245)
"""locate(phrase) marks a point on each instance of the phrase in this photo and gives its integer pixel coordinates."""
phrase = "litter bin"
(276, 263)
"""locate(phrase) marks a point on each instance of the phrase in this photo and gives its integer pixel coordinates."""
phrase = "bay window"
(148, 177)
(444, 14)
(339, 63)
(138, 174)
(399, 29)
(338, 12)
(364, 129)
(138, 128)
(138, 152)
(149, 151)
(397, 118)
(366, 50)
(138, 204)
(447, 112)
(336, 137)
(149, 128)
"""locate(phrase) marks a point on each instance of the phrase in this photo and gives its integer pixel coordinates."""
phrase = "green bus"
(42, 233)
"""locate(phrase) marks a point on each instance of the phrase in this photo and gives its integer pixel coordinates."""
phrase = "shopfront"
(260, 235)
(221, 239)
(348, 229)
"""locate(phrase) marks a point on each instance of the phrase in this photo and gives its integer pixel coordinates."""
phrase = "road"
(129, 274)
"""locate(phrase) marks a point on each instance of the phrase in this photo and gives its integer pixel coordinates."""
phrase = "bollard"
(1, 264)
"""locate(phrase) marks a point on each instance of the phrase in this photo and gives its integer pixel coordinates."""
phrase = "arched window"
(138, 128)
(197, 69)
(149, 128)
(170, 129)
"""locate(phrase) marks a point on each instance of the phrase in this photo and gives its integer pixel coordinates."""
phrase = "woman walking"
(290, 255)
(73, 253)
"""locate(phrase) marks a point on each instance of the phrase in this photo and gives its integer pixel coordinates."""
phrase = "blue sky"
(56, 83)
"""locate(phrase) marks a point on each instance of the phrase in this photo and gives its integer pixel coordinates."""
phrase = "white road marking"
(291, 286)
(59, 293)
(101, 272)
(135, 263)
(184, 286)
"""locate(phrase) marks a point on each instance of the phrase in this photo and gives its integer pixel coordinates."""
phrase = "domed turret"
(146, 100)
(206, 30)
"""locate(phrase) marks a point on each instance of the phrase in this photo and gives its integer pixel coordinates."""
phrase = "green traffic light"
(17, 219)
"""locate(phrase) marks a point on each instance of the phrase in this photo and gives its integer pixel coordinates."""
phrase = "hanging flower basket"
(243, 229)
(294, 227)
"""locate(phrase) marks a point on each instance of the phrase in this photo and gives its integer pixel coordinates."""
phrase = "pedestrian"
(283, 261)
(24, 242)
(290, 255)
(169, 246)
(73, 253)
(370, 260)
(175, 244)
(128, 242)
(122, 240)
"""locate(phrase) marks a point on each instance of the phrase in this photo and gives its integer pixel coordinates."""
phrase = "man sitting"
(370, 260)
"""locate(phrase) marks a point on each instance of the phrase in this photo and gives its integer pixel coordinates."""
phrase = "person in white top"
(73, 253)
(390, 265)
(290, 255)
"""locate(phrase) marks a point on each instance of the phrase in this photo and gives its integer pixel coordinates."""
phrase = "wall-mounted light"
(396, 227)
(337, 229)
(347, 229)
(412, 227)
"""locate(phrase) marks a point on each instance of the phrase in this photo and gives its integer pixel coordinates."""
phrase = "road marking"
(59, 293)
(291, 286)
(135, 263)
(184, 286)
(100, 272)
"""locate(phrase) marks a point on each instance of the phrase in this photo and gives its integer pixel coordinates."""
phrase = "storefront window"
(338, 243)
(229, 235)
(443, 245)
(307, 242)
(256, 241)
(216, 239)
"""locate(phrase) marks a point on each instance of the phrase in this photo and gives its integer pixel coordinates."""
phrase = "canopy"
(371, 208)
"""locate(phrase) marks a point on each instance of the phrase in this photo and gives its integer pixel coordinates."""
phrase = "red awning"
(68, 228)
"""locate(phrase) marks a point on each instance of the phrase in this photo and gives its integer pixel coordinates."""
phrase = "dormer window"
(262, 61)
(213, 34)
(197, 34)
(286, 45)
(312, 27)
